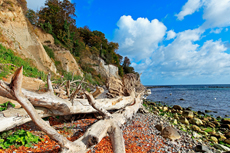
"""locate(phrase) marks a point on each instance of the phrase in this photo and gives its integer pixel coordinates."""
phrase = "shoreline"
(212, 132)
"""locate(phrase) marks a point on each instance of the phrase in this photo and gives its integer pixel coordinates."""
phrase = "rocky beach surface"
(186, 130)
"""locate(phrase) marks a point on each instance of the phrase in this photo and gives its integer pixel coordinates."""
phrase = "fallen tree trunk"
(54, 105)
(15, 117)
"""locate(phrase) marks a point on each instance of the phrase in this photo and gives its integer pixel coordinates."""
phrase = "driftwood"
(48, 104)
(97, 92)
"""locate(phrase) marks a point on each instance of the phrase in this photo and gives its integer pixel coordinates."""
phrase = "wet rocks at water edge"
(201, 127)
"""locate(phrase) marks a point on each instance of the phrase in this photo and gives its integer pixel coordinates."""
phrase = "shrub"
(5, 105)
(49, 51)
(18, 138)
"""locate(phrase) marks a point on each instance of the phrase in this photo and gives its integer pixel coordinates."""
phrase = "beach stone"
(225, 126)
(184, 120)
(160, 107)
(211, 124)
(207, 118)
(214, 139)
(183, 126)
(216, 123)
(227, 141)
(225, 120)
(227, 134)
(201, 113)
(221, 147)
(170, 132)
(159, 127)
(196, 135)
(174, 121)
(155, 112)
(180, 112)
(203, 133)
(196, 121)
(196, 128)
(176, 116)
(202, 148)
(208, 111)
(155, 108)
(177, 107)
(188, 114)
(165, 108)
(222, 138)
(173, 110)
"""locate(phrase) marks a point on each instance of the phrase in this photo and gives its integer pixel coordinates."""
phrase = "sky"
(170, 42)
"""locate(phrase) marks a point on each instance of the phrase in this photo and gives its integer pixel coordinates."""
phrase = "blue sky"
(168, 41)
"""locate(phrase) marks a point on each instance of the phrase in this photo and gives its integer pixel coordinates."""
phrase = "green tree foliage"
(126, 66)
(32, 16)
(57, 18)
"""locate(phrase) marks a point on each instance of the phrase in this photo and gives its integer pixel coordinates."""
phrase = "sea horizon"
(187, 85)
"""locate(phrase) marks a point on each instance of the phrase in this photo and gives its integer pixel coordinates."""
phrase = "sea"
(214, 98)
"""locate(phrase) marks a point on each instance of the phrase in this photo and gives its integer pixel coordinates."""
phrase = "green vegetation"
(5, 105)
(208, 129)
(49, 51)
(8, 56)
(18, 138)
(58, 19)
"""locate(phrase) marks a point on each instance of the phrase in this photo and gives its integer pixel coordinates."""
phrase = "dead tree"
(54, 105)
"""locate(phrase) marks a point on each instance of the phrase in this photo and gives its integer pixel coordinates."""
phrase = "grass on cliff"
(9, 62)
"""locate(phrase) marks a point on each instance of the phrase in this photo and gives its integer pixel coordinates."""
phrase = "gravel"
(141, 135)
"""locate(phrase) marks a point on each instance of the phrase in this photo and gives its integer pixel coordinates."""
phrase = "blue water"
(199, 97)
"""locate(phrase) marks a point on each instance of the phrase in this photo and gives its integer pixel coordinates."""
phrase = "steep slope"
(15, 33)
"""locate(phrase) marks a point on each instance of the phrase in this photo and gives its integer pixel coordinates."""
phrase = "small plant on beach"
(208, 129)
(5, 105)
(18, 138)
(225, 144)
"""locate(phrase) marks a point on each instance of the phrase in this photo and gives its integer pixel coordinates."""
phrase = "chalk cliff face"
(27, 42)
(17, 35)
(106, 70)
(68, 62)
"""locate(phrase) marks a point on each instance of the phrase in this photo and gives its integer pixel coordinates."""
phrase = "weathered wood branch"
(15, 87)
(73, 95)
(49, 83)
(98, 91)
(96, 106)
(68, 88)
(52, 105)
(111, 125)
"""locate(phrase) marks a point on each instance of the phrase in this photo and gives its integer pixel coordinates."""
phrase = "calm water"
(198, 97)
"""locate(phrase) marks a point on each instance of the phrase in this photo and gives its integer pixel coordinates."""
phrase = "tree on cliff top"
(57, 13)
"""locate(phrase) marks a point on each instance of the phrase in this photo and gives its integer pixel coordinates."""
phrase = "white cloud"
(226, 29)
(170, 35)
(138, 38)
(216, 31)
(215, 12)
(189, 8)
(185, 58)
